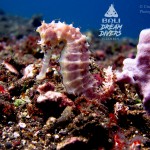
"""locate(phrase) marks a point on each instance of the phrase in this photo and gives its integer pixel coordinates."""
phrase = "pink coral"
(48, 86)
(137, 71)
(55, 97)
(47, 93)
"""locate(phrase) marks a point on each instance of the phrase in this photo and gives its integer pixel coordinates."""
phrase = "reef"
(62, 90)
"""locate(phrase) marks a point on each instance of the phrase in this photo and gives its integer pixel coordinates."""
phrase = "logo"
(111, 12)
(111, 25)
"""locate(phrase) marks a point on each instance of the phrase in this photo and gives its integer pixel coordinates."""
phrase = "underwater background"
(134, 15)
(84, 86)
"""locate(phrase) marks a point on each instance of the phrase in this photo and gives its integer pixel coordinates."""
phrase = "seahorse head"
(49, 34)
(57, 34)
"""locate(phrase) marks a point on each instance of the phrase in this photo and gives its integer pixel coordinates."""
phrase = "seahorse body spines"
(74, 64)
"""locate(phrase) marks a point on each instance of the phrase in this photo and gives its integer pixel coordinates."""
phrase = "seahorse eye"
(61, 44)
(44, 46)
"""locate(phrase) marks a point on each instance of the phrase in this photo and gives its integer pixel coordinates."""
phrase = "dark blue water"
(86, 14)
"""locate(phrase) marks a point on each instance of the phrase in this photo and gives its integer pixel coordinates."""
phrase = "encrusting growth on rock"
(137, 71)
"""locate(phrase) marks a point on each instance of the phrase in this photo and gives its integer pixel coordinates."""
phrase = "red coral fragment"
(119, 141)
(6, 108)
(2, 90)
(135, 143)
(112, 119)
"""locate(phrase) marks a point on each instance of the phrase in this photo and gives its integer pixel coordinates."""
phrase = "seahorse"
(74, 59)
